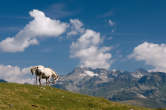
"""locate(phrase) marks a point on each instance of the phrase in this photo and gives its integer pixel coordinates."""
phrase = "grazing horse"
(44, 73)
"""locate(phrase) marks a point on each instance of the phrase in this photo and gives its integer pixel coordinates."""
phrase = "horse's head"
(55, 78)
(33, 69)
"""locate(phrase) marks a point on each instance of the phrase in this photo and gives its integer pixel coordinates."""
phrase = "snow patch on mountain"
(90, 73)
(137, 75)
(141, 96)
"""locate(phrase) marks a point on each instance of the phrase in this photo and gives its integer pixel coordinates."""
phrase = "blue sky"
(136, 23)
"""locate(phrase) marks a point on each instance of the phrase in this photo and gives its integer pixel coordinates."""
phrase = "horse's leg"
(49, 81)
(40, 80)
(36, 79)
(46, 81)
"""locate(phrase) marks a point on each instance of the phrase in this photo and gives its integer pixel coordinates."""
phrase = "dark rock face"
(139, 88)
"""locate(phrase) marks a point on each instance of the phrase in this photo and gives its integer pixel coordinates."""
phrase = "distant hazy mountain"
(1, 80)
(138, 88)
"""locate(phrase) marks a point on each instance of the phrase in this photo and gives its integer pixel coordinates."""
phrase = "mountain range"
(140, 88)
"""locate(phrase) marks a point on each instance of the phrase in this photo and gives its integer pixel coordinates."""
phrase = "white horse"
(44, 73)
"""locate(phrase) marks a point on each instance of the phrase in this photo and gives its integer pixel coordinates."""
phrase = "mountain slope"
(141, 88)
(29, 97)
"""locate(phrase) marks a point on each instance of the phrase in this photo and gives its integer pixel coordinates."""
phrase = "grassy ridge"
(30, 97)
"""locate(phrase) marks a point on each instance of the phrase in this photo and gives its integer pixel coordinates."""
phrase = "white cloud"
(152, 54)
(76, 27)
(15, 74)
(111, 23)
(87, 49)
(40, 26)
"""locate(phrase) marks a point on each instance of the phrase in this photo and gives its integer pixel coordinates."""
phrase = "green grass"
(30, 97)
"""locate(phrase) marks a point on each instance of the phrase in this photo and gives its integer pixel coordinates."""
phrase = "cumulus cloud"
(15, 74)
(40, 26)
(87, 49)
(76, 27)
(152, 54)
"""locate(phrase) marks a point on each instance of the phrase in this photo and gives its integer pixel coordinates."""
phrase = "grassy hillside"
(29, 97)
